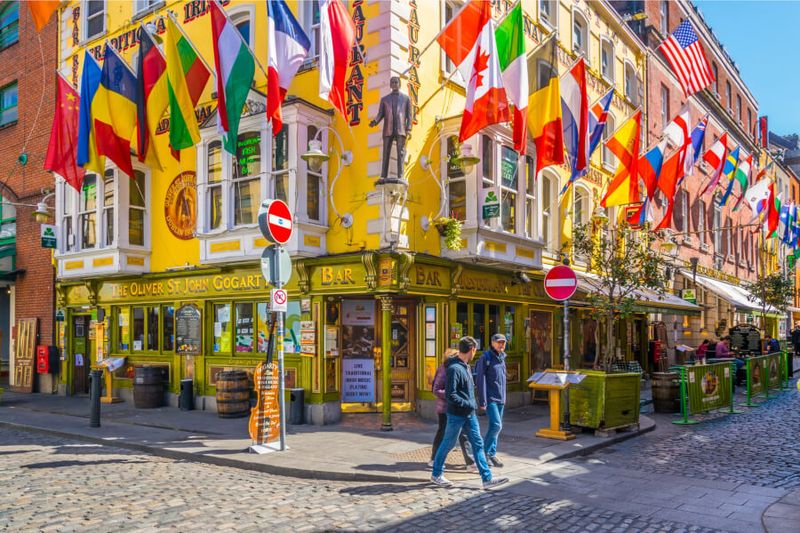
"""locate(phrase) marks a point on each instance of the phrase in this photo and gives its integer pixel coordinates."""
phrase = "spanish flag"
(624, 188)
(544, 106)
(114, 111)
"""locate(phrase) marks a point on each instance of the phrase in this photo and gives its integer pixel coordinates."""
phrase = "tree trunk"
(609, 340)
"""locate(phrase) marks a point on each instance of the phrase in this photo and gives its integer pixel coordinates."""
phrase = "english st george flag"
(685, 54)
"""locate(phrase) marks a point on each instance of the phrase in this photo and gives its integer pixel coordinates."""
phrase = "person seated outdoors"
(703, 349)
(772, 345)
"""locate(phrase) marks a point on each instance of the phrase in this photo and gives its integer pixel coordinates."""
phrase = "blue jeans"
(469, 425)
(494, 411)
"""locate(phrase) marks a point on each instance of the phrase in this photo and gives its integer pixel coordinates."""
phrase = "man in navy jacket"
(491, 378)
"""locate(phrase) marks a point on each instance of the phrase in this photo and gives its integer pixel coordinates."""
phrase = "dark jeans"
(466, 449)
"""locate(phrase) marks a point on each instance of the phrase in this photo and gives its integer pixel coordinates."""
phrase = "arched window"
(580, 35)
(581, 210)
(632, 84)
(242, 20)
(607, 60)
(608, 157)
(548, 12)
(550, 214)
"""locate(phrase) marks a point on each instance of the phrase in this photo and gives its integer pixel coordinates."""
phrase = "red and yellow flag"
(624, 188)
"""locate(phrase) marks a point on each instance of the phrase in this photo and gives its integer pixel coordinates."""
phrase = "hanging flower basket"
(450, 229)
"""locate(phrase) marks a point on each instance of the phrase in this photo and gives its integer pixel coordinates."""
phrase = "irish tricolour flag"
(469, 42)
(510, 38)
(235, 70)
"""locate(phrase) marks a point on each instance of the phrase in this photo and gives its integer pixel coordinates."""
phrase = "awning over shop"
(733, 294)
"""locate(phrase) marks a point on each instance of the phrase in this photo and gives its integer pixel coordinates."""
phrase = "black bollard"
(95, 388)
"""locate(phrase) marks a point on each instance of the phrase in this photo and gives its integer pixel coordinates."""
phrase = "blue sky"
(759, 37)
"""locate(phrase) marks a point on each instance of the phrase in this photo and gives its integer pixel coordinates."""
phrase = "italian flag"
(469, 42)
(235, 67)
(514, 66)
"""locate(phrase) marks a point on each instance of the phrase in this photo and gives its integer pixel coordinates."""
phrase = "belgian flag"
(152, 98)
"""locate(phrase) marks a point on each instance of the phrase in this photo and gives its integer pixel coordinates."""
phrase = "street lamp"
(466, 159)
(599, 216)
(315, 158)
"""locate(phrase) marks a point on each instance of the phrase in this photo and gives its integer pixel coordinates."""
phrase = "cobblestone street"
(717, 476)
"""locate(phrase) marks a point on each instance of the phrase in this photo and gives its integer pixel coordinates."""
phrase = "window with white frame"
(701, 221)
(509, 187)
(530, 198)
(728, 96)
(247, 173)
(580, 35)
(631, 84)
(214, 188)
(108, 212)
(581, 207)
(607, 60)
(140, 6)
(547, 12)
(664, 106)
(314, 185)
(716, 226)
(715, 69)
(608, 156)
(457, 183)
(680, 214)
(739, 108)
(487, 162)
(451, 8)
(550, 218)
(663, 12)
(280, 165)
(242, 20)
(94, 18)
(311, 26)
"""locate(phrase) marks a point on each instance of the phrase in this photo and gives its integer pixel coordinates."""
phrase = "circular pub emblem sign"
(180, 205)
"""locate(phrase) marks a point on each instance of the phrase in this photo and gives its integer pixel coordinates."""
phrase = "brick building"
(27, 93)
(715, 247)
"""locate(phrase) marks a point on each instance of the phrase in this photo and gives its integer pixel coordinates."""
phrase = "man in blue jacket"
(460, 395)
(491, 378)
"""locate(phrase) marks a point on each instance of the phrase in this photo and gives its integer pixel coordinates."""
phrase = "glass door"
(403, 356)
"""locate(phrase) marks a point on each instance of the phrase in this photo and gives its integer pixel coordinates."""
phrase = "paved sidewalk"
(784, 515)
(353, 450)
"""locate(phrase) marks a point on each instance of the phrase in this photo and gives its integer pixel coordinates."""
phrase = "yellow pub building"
(164, 269)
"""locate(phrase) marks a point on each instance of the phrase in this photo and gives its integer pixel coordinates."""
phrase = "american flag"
(685, 54)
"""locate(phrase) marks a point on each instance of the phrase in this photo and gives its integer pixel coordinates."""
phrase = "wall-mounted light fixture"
(315, 158)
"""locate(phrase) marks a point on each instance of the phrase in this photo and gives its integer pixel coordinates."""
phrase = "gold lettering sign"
(334, 276)
(198, 286)
(180, 205)
(427, 277)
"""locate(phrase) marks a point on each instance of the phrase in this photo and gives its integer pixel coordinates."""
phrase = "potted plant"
(450, 229)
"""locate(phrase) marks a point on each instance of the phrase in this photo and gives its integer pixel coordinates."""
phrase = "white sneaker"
(494, 482)
(443, 481)
(430, 464)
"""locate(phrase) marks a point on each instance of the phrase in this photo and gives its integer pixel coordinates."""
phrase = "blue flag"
(90, 81)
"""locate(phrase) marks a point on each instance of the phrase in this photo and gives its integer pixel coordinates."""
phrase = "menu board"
(188, 330)
(265, 419)
(745, 337)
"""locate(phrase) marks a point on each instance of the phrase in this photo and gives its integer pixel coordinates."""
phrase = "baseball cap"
(499, 337)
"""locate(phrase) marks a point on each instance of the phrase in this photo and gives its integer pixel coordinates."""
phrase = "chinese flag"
(41, 11)
(63, 147)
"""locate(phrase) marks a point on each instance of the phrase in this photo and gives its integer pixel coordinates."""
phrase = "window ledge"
(488, 245)
(103, 261)
(9, 45)
(8, 124)
(144, 12)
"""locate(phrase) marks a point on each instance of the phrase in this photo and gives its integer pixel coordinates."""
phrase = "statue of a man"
(395, 112)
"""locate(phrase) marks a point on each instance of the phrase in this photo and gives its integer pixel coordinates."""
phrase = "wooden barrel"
(148, 390)
(666, 392)
(233, 394)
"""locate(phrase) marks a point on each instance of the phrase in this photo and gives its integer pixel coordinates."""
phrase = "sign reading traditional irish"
(560, 283)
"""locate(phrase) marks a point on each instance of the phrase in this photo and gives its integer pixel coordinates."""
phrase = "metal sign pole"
(566, 361)
(281, 399)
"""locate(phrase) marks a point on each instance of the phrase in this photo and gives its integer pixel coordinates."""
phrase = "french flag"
(287, 47)
(575, 116)
(598, 115)
(337, 37)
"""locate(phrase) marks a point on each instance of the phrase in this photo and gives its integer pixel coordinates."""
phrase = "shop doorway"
(402, 358)
(81, 354)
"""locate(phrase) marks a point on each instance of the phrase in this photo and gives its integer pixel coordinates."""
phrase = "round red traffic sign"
(561, 283)
(275, 221)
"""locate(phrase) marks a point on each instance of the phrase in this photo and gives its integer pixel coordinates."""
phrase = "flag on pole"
(236, 68)
(114, 110)
(575, 116)
(757, 195)
(152, 98)
(763, 128)
(510, 38)
(87, 157)
(63, 146)
(773, 211)
(742, 175)
(731, 163)
(337, 37)
(186, 80)
(624, 187)
(544, 105)
(677, 131)
(685, 54)
(716, 157)
(785, 218)
(41, 11)
(697, 138)
(650, 167)
(288, 47)
(468, 40)
(598, 115)
(671, 173)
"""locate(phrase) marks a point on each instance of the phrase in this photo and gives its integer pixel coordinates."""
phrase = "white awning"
(733, 294)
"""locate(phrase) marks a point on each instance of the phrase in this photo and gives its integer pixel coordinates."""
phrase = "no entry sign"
(561, 283)
(275, 221)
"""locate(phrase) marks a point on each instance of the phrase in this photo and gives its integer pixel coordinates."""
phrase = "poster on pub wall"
(358, 380)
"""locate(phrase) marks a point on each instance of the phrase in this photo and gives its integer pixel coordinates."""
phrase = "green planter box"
(605, 401)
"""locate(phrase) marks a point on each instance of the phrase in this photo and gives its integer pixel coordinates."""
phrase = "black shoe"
(494, 461)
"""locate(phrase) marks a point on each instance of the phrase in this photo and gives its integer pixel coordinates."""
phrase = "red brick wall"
(23, 62)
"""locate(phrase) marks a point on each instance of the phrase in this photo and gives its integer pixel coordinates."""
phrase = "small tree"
(622, 264)
(774, 290)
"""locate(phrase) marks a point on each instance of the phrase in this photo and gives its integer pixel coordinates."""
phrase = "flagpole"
(241, 37)
(212, 71)
(155, 44)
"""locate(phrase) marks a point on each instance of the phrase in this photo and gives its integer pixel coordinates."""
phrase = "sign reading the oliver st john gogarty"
(708, 386)
(358, 380)
(188, 330)
(180, 205)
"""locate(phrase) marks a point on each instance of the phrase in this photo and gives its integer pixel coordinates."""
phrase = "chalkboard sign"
(745, 337)
(188, 330)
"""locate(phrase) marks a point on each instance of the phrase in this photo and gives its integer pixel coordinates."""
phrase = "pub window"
(530, 198)
(310, 21)
(607, 60)
(94, 18)
(451, 8)
(136, 209)
(487, 161)
(168, 328)
(280, 165)
(9, 24)
(550, 220)
(152, 329)
(632, 84)
(247, 179)
(509, 185)
(222, 328)
(8, 104)
(123, 329)
(68, 212)
(244, 327)
(138, 329)
(508, 324)
(87, 212)
(108, 207)
(547, 12)
(214, 194)
(479, 325)
(8, 220)
(313, 186)
(457, 184)
(262, 315)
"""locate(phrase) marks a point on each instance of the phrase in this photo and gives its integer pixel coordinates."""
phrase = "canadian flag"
(469, 42)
